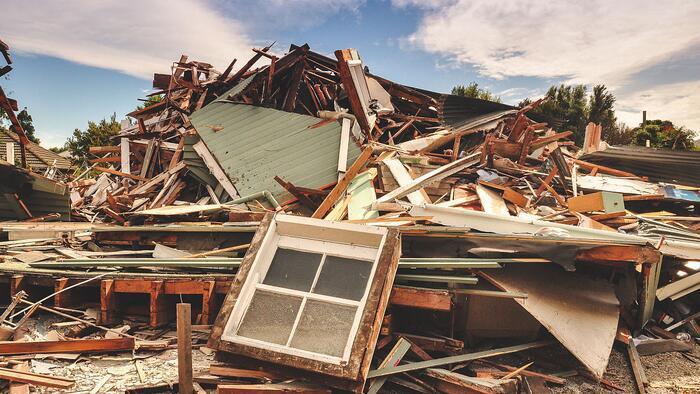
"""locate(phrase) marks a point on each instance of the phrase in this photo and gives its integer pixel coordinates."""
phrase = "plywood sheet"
(581, 313)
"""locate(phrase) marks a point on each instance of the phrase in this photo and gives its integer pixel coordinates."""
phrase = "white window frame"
(294, 241)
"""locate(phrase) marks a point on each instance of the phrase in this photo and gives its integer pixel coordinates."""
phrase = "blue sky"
(81, 60)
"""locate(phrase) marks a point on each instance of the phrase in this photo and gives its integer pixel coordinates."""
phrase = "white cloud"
(582, 40)
(590, 42)
(679, 102)
(137, 38)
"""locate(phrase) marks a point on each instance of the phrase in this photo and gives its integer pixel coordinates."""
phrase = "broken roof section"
(38, 158)
(255, 144)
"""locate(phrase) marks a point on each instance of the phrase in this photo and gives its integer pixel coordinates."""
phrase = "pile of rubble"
(337, 230)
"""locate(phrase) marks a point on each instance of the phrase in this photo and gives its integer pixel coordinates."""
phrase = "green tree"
(96, 134)
(601, 110)
(150, 101)
(571, 108)
(663, 134)
(474, 91)
(24, 119)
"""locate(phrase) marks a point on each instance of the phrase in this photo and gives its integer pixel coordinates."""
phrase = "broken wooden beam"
(70, 346)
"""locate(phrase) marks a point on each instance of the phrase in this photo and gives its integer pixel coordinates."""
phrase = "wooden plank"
(392, 359)
(109, 159)
(450, 382)
(430, 177)
(457, 359)
(403, 178)
(423, 298)
(119, 173)
(184, 348)
(19, 387)
(340, 187)
(292, 388)
(215, 169)
(100, 150)
(229, 372)
(69, 346)
(516, 198)
(36, 379)
(640, 376)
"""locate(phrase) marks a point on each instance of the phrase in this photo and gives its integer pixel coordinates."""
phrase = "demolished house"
(335, 230)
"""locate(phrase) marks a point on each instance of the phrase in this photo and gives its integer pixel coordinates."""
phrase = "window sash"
(259, 272)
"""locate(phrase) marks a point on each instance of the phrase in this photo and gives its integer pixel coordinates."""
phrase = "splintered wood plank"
(70, 346)
(340, 187)
(403, 178)
(392, 359)
(581, 313)
(456, 359)
(119, 173)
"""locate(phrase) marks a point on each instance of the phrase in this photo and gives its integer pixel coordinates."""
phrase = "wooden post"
(107, 301)
(184, 348)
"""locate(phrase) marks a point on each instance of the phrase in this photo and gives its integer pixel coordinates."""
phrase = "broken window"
(309, 290)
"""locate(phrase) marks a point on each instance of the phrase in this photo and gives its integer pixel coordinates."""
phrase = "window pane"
(324, 328)
(270, 317)
(293, 269)
(344, 278)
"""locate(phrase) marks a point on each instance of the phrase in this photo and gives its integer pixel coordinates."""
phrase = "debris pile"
(334, 230)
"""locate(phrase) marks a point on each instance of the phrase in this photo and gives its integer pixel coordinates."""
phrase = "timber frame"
(350, 375)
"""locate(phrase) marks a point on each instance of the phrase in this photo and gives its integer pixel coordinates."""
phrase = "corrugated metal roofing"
(253, 144)
(660, 165)
(457, 111)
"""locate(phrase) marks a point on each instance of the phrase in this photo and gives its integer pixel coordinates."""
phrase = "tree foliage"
(96, 134)
(574, 108)
(663, 134)
(25, 120)
(474, 91)
(150, 101)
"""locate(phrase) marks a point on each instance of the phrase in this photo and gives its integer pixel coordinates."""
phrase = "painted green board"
(254, 144)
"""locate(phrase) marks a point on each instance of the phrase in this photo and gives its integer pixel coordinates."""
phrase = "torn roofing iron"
(255, 144)
(456, 111)
(659, 165)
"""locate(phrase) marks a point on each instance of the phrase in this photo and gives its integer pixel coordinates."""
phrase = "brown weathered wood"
(292, 388)
(422, 298)
(19, 387)
(640, 376)
(356, 105)
(100, 150)
(340, 187)
(119, 173)
(36, 379)
(222, 370)
(70, 346)
(184, 348)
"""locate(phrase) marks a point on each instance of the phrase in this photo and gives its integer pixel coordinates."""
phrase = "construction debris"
(323, 228)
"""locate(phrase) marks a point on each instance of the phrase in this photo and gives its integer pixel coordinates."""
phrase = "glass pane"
(270, 317)
(324, 328)
(292, 269)
(344, 278)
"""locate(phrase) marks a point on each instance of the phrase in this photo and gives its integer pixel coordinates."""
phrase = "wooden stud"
(157, 307)
(107, 301)
(184, 348)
